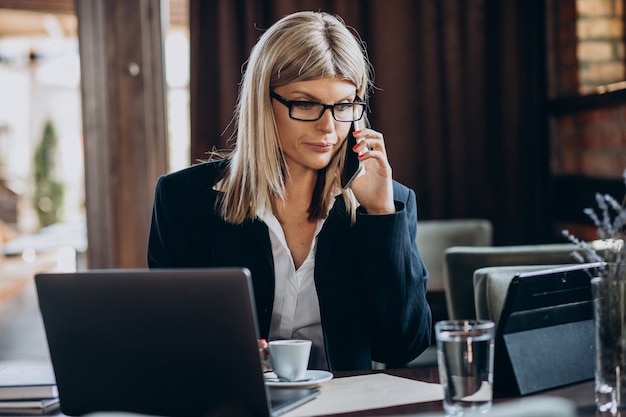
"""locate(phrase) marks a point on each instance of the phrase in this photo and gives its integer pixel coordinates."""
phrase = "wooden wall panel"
(124, 125)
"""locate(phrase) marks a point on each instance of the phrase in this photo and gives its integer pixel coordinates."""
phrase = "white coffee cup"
(290, 358)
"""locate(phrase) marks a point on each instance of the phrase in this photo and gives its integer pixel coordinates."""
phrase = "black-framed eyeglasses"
(310, 111)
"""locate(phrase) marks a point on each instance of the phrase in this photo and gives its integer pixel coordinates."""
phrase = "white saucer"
(314, 378)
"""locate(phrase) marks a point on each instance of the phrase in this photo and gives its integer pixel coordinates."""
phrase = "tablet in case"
(545, 337)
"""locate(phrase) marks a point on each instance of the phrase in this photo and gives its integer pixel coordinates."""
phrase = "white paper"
(366, 392)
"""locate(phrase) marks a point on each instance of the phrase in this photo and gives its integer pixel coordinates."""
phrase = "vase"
(609, 301)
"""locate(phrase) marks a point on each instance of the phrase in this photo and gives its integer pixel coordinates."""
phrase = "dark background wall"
(461, 97)
(465, 98)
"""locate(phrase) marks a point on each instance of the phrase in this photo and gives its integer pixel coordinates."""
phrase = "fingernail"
(356, 132)
(354, 148)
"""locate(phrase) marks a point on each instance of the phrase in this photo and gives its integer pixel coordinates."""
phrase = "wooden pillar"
(124, 125)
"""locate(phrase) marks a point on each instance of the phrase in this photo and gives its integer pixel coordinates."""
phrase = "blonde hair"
(300, 47)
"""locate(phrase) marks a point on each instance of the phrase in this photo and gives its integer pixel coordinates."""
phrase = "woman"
(337, 266)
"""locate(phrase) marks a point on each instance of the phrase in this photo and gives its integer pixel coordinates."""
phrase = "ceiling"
(29, 18)
(33, 18)
(21, 23)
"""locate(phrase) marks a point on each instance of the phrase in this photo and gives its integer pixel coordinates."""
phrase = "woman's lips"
(321, 147)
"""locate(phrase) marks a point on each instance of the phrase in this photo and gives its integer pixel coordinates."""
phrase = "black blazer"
(370, 279)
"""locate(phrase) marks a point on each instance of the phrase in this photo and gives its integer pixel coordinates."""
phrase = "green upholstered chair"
(461, 262)
(433, 238)
(491, 285)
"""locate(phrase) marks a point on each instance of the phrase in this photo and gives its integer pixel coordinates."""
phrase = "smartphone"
(352, 165)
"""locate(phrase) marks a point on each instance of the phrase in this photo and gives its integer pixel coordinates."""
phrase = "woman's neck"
(292, 213)
(298, 193)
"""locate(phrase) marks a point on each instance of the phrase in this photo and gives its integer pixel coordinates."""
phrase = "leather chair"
(491, 285)
(461, 262)
(433, 238)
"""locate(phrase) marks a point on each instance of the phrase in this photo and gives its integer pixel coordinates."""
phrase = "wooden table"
(582, 395)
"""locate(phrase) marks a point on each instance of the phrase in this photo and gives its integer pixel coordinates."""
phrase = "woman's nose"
(327, 121)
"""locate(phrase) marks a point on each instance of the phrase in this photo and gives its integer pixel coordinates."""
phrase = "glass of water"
(465, 357)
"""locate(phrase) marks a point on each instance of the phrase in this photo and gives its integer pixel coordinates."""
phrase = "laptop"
(164, 342)
(545, 336)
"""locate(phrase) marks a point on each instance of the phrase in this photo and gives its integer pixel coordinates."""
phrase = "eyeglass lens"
(342, 112)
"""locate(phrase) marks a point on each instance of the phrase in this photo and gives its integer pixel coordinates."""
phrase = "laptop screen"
(163, 342)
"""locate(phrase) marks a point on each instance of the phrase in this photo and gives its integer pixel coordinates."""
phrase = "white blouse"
(296, 312)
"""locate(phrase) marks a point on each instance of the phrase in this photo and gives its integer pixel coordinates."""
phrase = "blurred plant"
(49, 193)
(608, 286)
(611, 228)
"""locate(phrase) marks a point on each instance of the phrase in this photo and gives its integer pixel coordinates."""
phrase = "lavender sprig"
(611, 231)
(588, 250)
(596, 221)
(606, 219)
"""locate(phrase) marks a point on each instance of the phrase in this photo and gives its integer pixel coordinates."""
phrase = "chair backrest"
(491, 285)
(435, 236)
(460, 262)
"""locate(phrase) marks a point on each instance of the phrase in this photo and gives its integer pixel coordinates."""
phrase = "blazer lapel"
(259, 231)
(326, 240)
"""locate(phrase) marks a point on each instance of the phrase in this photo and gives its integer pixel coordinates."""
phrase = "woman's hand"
(373, 188)
(265, 355)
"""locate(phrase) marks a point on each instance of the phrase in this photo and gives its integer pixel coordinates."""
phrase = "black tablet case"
(545, 337)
